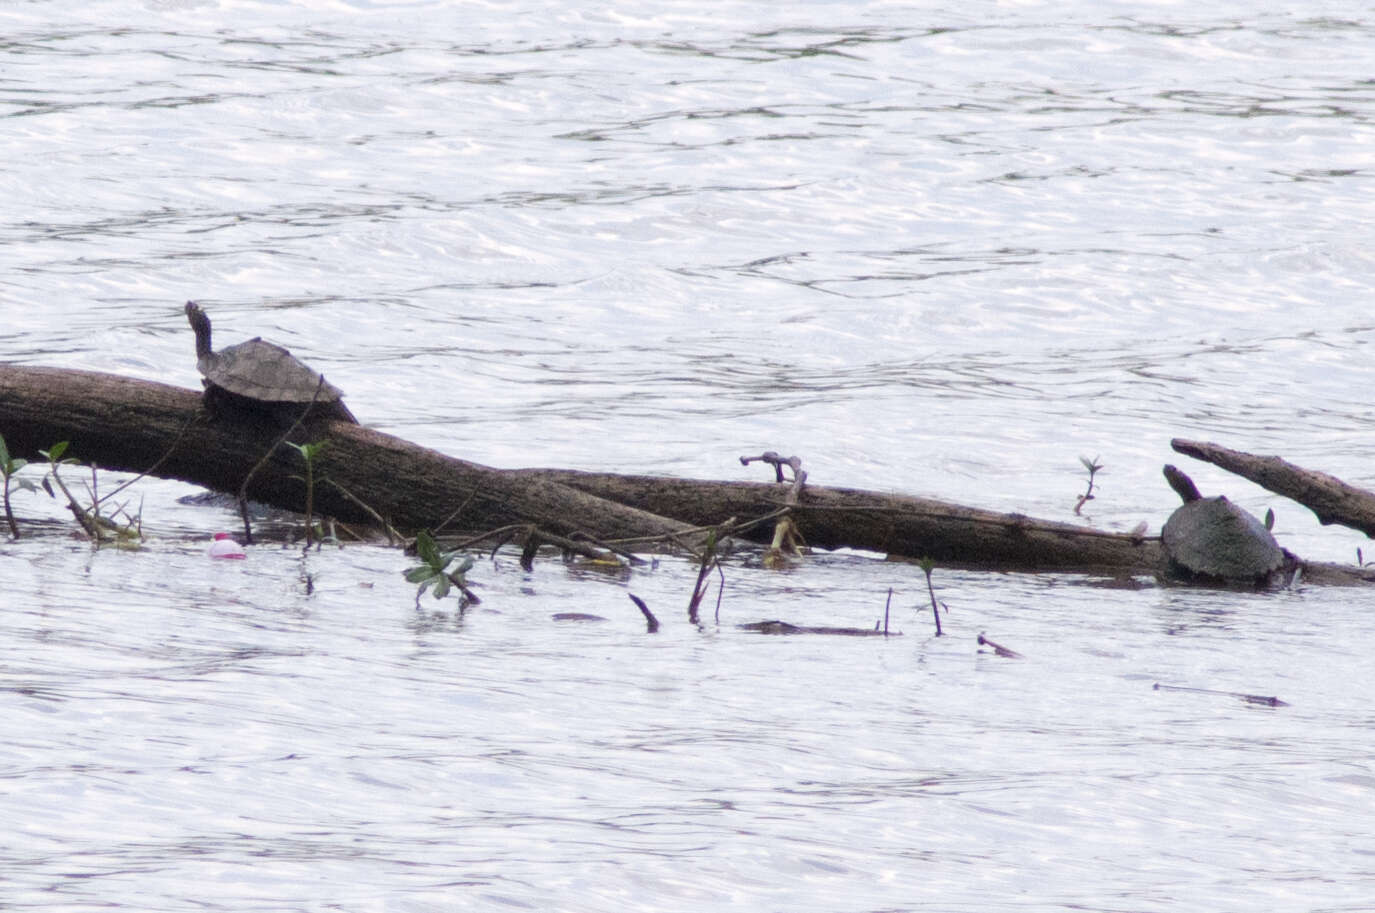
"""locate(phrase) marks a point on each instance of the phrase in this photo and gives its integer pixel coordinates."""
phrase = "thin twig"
(1267, 701)
(998, 649)
(651, 622)
(393, 536)
(457, 510)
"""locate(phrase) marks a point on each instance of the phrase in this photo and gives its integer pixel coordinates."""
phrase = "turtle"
(1212, 539)
(262, 378)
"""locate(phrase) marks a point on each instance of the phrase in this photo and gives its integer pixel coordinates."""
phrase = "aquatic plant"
(98, 527)
(710, 558)
(8, 467)
(1093, 466)
(308, 453)
(433, 571)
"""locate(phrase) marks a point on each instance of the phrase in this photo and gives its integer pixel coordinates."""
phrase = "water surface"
(937, 250)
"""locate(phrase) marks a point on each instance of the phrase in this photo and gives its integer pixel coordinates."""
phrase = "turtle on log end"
(1212, 540)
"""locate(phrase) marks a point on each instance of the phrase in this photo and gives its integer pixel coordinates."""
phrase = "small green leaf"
(465, 565)
(441, 587)
(4, 454)
(417, 574)
(308, 452)
(427, 550)
(54, 453)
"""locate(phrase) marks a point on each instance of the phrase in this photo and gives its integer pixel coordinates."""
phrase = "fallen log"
(899, 525)
(131, 425)
(125, 424)
(1330, 499)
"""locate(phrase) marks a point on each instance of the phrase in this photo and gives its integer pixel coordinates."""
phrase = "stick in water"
(998, 649)
(650, 621)
(1248, 698)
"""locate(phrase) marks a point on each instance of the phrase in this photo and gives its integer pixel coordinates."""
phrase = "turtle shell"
(1215, 538)
(261, 370)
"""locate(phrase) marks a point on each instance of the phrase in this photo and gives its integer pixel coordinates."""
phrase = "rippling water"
(943, 251)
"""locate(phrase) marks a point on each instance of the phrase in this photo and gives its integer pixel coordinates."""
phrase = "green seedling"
(1093, 466)
(309, 453)
(8, 467)
(99, 528)
(434, 571)
(54, 456)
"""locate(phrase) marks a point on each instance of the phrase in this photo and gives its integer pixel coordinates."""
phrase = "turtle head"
(200, 325)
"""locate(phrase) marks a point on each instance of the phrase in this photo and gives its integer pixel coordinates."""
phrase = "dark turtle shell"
(1215, 538)
(261, 372)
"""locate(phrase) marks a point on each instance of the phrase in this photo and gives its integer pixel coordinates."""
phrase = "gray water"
(938, 250)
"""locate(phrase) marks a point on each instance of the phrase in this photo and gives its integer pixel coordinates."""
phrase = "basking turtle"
(258, 377)
(1213, 539)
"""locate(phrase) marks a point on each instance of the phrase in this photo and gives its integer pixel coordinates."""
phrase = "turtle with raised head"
(1211, 539)
(259, 377)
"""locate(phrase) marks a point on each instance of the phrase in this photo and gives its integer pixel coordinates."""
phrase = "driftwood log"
(131, 425)
(899, 525)
(134, 425)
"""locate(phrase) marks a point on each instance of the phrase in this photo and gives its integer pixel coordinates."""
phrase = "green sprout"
(308, 453)
(1093, 466)
(8, 467)
(435, 571)
(99, 528)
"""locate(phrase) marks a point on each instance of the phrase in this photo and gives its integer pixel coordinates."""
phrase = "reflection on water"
(928, 252)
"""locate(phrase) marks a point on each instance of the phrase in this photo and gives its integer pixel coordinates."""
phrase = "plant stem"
(310, 500)
(935, 609)
(9, 515)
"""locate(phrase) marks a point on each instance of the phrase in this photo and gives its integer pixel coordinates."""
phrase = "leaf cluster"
(434, 570)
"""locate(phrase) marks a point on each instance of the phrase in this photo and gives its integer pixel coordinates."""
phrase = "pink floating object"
(224, 546)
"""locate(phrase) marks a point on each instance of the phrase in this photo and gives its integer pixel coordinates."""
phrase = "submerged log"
(1331, 499)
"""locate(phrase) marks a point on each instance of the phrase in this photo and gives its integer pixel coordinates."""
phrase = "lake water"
(941, 250)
